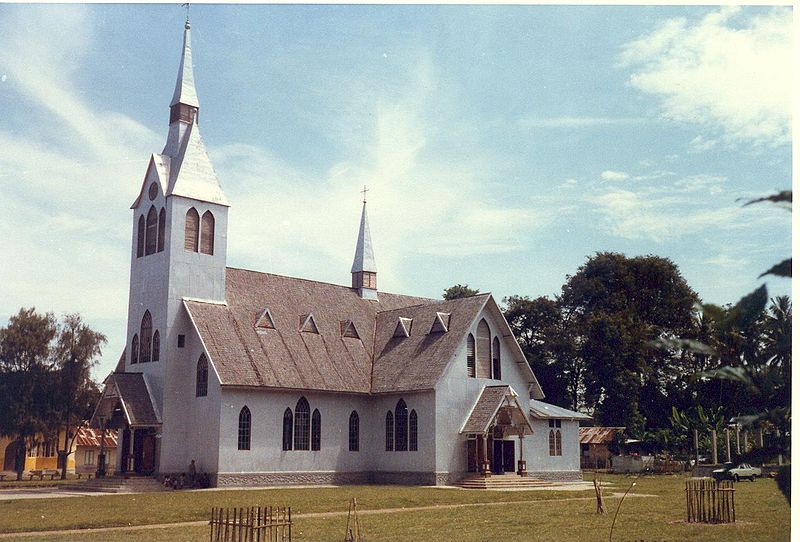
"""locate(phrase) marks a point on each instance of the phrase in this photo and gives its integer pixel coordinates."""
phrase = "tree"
(458, 291)
(619, 305)
(75, 352)
(25, 362)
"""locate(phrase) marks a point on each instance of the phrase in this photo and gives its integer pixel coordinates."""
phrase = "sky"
(502, 145)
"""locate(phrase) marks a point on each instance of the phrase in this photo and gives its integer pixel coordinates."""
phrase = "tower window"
(181, 341)
(151, 232)
(201, 384)
(140, 237)
(135, 349)
(162, 227)
(192, 231)
(146, 338)
(207, 233)
(156, 346)
(153, 191)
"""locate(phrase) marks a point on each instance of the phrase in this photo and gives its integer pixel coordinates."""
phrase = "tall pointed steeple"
(364, 271)
(185, 94)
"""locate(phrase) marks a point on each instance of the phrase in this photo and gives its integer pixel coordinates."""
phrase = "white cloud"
(732, 77)
(702, 144)
(575, 122)
(610, 175)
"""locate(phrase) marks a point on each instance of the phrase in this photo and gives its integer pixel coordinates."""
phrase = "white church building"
(264, 379)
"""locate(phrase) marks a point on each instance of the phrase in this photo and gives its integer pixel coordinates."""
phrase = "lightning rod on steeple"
(186, 5)
(364, 193)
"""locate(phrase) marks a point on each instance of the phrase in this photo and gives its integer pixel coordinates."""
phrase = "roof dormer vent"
(441, 322)
(265, 321)
(348, 329)
(403, 328)
(308, 324)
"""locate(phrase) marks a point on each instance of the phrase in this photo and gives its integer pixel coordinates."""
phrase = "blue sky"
(502, 145)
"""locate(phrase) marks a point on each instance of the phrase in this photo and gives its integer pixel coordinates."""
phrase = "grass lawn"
(762, 514)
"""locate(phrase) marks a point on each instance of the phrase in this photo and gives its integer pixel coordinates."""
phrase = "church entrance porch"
(138, 450)
(494, 426)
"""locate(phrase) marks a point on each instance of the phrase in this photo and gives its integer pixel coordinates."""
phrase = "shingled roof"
(131, 391)
(376, 362)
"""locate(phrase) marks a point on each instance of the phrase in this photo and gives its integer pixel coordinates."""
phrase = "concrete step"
(119, 484)
(501, 481)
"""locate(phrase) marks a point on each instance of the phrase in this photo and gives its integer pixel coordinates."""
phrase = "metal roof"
(542, 410)
(598, 435)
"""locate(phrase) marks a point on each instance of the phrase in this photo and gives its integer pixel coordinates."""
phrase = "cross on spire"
(186, 5)
(364, 193)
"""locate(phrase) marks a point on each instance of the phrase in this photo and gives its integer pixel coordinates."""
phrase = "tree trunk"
(64, 454)
(22, 449)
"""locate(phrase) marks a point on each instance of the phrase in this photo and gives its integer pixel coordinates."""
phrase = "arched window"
(389, 431)
(207, 233)
(353, 440)
(191, 234)
(201, 385)
(484, 368)
(496, 373)
(552, 441)
(287, 429)
(316, 430)
(412, 431)
(470, 356)
(146, 338)
(244, 428)
(156, 346)
(140, 237)
(558, 441)
(135, 349)
(162, 228)
(151, 233)
(400, 427)
(301, 424)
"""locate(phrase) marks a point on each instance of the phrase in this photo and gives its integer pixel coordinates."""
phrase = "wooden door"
(509, 456)
(126, 446)
(472, 455)
(148, 453)
(497, 457)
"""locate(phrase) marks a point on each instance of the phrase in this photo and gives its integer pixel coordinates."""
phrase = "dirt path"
(66, 532)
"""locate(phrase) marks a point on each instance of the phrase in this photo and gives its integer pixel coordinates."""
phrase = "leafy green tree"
(458, 291)
(25, 365)
(619, 306)
(75, 352)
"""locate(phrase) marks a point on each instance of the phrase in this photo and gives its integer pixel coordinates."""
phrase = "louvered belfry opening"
(192, 232)
(484, 354)
(207, 233)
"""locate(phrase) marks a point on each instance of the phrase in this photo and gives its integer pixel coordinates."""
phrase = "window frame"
(245, 425)
(302, 425)
(201, 376)
(353, 432)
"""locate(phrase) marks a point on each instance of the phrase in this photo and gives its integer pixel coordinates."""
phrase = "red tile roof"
(89, 438)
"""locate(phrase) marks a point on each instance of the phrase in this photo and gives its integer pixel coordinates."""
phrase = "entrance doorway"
(503, 458)
(138, 456)
(10, 459)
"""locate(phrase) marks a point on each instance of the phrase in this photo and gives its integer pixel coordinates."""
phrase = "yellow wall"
(40, 463)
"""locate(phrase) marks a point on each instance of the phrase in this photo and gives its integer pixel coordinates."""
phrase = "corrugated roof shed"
(598, 435)
(89, 438)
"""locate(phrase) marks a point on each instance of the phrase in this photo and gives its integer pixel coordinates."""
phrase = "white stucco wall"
(457, 393)
(537, 450)
(266, 453)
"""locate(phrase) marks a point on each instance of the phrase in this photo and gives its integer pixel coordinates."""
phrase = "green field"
(654, 510)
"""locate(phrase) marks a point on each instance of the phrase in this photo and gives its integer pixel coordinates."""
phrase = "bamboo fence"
(710, 501)
(253, 524)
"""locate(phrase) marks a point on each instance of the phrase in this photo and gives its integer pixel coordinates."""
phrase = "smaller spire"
(364, 271)
(185, 92)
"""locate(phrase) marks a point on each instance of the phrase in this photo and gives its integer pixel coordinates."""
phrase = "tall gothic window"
(151, 233)
(201, 385)
(496, 373)
(471, 356)
(389, 431)
(156, 346)
(287, 429)
(244, 428)
(551, 440)
(135, 349)
(558, 441)
(191, 234)
(316, 430)
(301, 424)
(412, 431)
(353, 435)
(484, 368)
(207, 233)
(146, 338)
(400, 427)
(162, 228)
(140, 237)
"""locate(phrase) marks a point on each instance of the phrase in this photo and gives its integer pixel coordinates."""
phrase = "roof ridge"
(430, 299)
